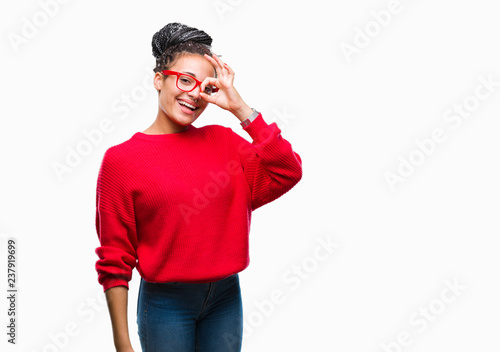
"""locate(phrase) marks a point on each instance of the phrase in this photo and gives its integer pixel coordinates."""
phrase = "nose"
(195, 93)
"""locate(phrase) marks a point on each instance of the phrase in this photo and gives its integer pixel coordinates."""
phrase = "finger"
(215, 63)
(222, 64)
(207, 98)
(209, 58)
(229, 69)
(208, 81)
(219, 61)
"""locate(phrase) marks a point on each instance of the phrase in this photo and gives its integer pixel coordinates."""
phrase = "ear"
(158, 81)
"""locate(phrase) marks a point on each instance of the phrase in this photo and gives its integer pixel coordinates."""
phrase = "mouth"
(186, 107)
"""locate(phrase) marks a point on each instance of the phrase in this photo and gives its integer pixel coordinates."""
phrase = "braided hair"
(176, 39)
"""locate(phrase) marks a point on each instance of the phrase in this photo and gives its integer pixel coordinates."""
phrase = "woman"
(175, 201)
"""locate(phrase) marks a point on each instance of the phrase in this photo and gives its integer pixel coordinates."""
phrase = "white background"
(352, 118)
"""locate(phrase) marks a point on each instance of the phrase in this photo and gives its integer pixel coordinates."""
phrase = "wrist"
(123, 346)
(243, 112)
(250, 118)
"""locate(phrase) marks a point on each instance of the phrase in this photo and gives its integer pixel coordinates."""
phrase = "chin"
(182, 119)
(185, 121)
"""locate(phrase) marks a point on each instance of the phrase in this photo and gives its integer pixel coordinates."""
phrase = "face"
(171, 98)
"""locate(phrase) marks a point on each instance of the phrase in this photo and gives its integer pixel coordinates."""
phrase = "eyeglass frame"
(179, 74)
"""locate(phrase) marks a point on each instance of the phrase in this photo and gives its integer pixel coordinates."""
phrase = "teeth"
(182, 102)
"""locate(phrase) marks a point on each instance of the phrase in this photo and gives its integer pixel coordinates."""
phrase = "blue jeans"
(190, 317)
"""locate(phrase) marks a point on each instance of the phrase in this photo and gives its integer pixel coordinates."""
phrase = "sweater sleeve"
(270, 165)
(115, 226)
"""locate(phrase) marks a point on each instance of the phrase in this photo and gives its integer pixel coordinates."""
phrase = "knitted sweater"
(178, 206)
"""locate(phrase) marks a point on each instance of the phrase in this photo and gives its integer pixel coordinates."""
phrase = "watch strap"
(250, 118)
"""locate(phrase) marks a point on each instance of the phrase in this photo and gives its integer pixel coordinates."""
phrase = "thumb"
(207, 98)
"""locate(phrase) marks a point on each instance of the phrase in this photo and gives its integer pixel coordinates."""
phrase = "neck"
(163, 125)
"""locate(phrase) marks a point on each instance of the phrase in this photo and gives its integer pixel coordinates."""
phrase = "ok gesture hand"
(227, 97)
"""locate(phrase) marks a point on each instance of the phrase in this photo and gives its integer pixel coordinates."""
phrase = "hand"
(227, 97)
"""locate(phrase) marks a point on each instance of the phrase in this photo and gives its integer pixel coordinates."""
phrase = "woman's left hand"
(227, 97)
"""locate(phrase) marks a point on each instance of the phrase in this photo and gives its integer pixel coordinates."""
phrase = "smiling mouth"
(189, 106)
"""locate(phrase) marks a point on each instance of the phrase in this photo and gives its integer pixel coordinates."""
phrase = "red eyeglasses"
(188, 83)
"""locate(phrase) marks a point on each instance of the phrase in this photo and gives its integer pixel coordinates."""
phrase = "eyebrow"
(189, 73)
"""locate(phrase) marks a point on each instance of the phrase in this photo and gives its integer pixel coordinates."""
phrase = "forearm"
(117, 299)
(243, 112)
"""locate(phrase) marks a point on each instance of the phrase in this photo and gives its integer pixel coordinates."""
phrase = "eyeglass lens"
(187, 83)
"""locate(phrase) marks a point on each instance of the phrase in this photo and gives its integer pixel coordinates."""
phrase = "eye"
(208, 90)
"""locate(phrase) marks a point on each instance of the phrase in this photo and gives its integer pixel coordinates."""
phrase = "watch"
(250, 118)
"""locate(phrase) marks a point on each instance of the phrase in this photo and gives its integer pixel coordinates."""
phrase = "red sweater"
(178, 206)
